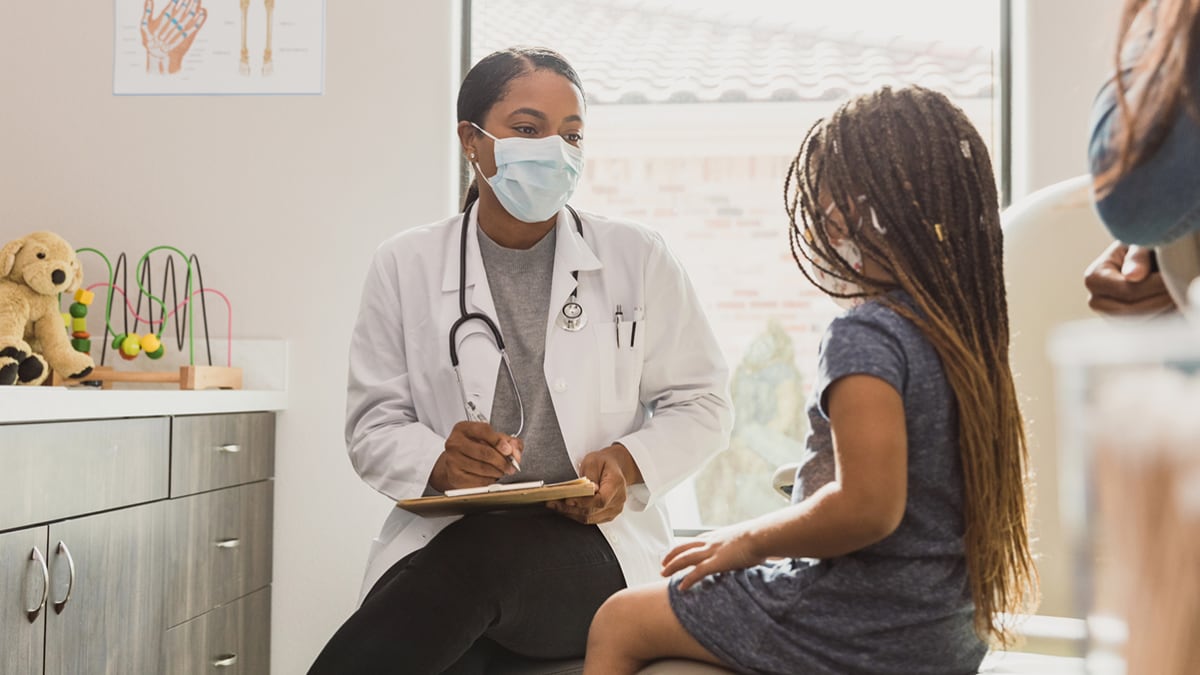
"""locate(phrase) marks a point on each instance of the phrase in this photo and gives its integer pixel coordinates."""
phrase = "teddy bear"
(33, 271)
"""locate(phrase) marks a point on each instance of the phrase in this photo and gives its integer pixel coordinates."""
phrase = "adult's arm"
(390, 449)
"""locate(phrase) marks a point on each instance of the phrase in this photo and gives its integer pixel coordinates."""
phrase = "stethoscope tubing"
(464, 316)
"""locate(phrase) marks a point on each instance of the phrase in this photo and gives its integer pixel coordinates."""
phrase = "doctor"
(609, 370)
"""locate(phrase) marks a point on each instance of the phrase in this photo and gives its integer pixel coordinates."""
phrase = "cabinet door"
(23, 588)
(106, 593)
(218, 548)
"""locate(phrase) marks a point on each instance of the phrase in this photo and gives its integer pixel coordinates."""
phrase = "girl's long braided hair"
(913, 182)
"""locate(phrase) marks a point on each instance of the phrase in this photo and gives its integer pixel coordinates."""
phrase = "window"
(695, 112)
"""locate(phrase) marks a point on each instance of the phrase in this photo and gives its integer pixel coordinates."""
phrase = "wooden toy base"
(188, 377)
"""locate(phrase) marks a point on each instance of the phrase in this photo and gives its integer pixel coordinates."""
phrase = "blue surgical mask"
(534, 176)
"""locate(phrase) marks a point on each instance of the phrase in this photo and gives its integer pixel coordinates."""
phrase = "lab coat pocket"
(621, 355)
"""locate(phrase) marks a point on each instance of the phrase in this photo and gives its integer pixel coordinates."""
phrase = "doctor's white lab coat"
(665, 398)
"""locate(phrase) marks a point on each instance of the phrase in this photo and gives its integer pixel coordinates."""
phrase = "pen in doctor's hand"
(475, 415)
(511, 459)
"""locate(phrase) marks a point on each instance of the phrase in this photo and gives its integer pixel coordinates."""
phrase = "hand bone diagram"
(169, 36)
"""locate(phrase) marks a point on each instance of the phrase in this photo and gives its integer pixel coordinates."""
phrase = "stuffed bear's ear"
(78, 282)
(8, 256)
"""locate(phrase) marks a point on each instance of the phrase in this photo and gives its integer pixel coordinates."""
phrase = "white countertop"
(46, 404)
(264, 370)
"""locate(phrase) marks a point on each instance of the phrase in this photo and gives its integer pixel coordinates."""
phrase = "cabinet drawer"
(215, 451)
(220, 548)
(66, 469)
(234, 639)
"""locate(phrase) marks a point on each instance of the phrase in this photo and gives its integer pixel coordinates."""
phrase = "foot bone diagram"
(268, 65)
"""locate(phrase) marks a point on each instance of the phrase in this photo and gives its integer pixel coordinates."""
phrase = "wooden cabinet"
(105, 610)
(215, 451)
(149, 540)
(59, 470)
(233, 639)
(24, 586)
(220, 548)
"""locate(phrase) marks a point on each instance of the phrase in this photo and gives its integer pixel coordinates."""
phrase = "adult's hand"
(612, 470)
(1124, 281)
(475, 456)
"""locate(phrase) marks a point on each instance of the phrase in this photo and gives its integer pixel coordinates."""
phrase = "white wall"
(283, 199)
(1062, 54)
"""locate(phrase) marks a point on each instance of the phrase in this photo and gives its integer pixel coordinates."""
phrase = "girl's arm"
(862, 505)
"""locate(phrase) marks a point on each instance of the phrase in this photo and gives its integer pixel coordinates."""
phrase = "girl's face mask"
(852, 254)
(534, 176)
(849, 252)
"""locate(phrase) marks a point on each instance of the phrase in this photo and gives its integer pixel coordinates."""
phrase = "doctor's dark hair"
(910, 163)
(489, 81)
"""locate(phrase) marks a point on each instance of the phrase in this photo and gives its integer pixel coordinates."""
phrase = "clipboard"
(431, 507)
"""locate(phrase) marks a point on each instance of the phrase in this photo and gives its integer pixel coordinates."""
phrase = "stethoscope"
(571, 318)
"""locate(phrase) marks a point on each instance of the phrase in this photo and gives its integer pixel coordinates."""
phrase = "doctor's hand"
(1124, 281)
(475, 456)
(611, 469)
(724, 550)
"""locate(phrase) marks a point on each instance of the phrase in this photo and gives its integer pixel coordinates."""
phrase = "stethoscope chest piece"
(571, 318)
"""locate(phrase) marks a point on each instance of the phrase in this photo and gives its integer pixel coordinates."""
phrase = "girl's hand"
(723, 550)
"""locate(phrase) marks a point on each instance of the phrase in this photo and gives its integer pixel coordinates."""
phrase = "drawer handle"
(229, 543)
(225, 660)
(64, 551)
(229, 447)
(36, 556)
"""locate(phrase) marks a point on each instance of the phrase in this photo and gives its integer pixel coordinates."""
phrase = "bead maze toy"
(129, 344)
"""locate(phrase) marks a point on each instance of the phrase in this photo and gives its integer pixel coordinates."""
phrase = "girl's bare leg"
(637, 626)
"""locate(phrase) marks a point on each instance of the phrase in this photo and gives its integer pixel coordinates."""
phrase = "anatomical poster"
(218, 47)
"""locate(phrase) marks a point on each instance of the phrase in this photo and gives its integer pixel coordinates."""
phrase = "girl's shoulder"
(881, 314)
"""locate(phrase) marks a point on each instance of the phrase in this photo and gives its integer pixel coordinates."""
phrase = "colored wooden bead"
(82, 345)
(131, 345)
(157, 353)
(66, 320)
(81, 335)
(127, 357)
(78, 324)
(118, 340)
(78, 310)
(84, 296)
(151, 343)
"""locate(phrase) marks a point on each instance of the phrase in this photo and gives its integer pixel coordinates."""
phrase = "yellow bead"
(151, 343)
(66, 320)
(131, 345)
(84, 297)
(79, 324)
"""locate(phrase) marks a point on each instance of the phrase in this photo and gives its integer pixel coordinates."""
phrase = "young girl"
(907, 536)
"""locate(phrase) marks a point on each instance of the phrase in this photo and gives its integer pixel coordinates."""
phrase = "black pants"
(488, 587)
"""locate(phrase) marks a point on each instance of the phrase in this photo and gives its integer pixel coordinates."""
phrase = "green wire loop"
(111, 281)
